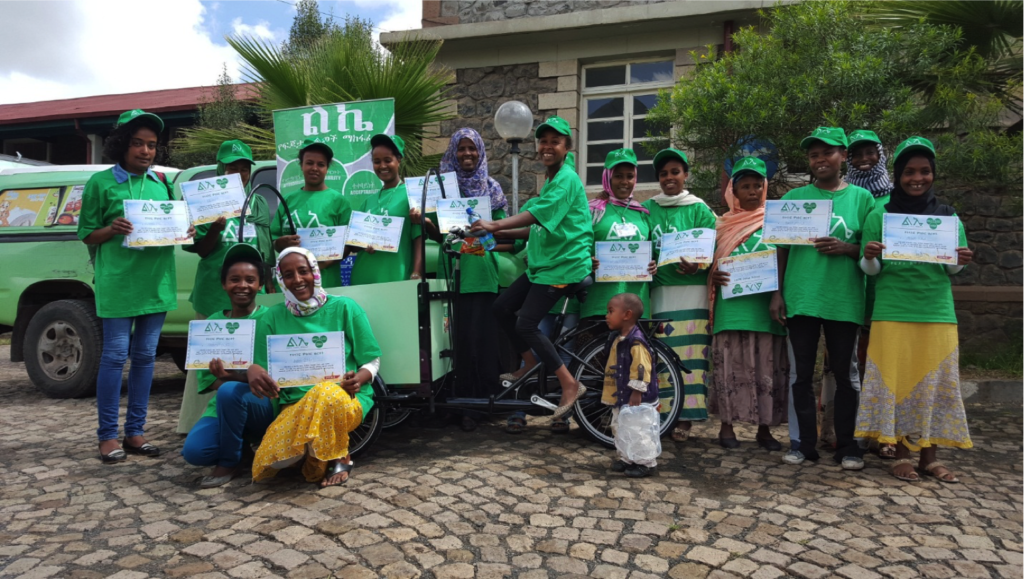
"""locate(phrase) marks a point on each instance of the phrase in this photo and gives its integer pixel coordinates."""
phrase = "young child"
(629, 378)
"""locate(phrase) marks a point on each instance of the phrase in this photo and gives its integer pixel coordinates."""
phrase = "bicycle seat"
(579, 290)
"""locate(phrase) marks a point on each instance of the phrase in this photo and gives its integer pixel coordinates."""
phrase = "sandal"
(563, 410)
(887, 451)
(560, 425)
(336, 467)
(680, 434)
(516, 424)
(948, 477)
(912, 477)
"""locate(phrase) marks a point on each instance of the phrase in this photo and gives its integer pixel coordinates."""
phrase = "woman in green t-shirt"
(558, 256)
(373, 266)
(822, 290)
(679, 292)
(315, 205)
(314, 419)
(134, 287)
(911, 396)
(750, 380)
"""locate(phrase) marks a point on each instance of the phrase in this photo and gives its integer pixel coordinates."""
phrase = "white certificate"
(623, 260)
(923, 238)
(796, 222)
(452, 212)
(694, 245)
(306, 359)
(210, 199)
(326, 243)
(414, 189)
(230, 340)
(156, 223)
(381, 232)
(750, 273)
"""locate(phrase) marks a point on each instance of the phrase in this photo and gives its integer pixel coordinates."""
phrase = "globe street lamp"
(514, 121)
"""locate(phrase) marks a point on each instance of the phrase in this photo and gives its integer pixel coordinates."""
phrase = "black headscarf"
(902, 202)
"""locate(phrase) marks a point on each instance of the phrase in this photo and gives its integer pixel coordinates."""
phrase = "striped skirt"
(686, 332)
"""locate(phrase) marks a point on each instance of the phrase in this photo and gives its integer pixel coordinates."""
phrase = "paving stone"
(709, 556)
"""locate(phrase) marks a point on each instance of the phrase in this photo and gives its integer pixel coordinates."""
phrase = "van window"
(70, 206)
(268, 176)
(28, 207)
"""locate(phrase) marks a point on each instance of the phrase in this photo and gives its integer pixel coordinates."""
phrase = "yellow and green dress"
(911, 389)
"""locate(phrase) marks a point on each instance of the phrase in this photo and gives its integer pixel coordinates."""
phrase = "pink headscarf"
(599, 205)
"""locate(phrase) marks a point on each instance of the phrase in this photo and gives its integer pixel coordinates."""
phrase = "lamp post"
(514, 121)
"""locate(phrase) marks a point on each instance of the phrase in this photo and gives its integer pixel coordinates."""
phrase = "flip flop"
(887, 451)
(913, 477)
(516, 424)
(336, 467)
(680, 434)
(948, 478)
(563, 410)
(560, 425)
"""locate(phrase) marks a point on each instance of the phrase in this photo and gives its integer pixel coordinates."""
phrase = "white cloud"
(72, 49)
(402, 15)
(259, 30)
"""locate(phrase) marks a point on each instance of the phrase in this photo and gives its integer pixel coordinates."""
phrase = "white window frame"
(626, 91)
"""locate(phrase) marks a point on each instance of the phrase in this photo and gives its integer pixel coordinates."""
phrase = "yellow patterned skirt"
(316, 427)
(911, 389)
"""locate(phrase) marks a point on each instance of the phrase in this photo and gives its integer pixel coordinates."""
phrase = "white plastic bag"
(638, 437)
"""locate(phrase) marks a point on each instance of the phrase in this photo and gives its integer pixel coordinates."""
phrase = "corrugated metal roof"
(156, 101)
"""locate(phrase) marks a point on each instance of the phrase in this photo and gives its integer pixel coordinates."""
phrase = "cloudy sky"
(75, 48)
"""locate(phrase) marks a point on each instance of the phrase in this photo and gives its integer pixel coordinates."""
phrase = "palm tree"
(341, 67)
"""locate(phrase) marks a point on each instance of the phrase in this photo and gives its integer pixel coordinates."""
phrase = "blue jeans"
(240, 416)
(117, 336)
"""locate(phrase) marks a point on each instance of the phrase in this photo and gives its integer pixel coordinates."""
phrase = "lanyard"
(142, 188)
(380, 197)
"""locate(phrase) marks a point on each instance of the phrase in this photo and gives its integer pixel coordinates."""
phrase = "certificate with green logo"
(414, 189)
(230, 340)
(922, 238)
(693, 245)
(796, 222)
(326, 243)
(623, 260)
(380, 232)
(750, 273)
(452, 212)
(306, 359)
(210, 199)
(156, 223)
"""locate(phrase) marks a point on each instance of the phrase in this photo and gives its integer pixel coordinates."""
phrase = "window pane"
(641, 128)
(267, 175)
(604, 130)
(643, 103)
(645, 173)
(594, 175)
(606, 76)
(651, 72)
(597, 153)
(604, 108)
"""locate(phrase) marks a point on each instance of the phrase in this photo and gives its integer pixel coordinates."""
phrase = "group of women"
(752, 358)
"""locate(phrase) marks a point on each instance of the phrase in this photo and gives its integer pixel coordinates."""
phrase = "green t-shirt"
(747, 313)
(129, 282)
(203, 377)
(381, 266)
(208, 295)
(315, 209)
(632, 226)
(907, 291)
(671, 219)
(869, 286)
(562, 239)
(479, 273)
(830, 287)
(338, 314)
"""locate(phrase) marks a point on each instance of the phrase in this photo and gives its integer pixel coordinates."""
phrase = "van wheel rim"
(59, 351)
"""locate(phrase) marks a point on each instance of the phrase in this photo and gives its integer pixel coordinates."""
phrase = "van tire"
(63, 343)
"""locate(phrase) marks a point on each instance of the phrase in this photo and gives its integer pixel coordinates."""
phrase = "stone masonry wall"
(468, 11)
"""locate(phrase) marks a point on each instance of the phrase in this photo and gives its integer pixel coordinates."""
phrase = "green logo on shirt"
(319, 341)
(808, 207)
(231, 326)
(167, 207)
(295, 342)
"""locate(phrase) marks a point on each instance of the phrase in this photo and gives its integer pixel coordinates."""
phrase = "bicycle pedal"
(535, 399)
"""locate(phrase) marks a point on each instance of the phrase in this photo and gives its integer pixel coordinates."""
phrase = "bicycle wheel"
(367, 432)
(595, 418)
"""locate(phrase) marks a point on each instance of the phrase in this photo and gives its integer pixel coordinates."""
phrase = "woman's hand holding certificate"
(796, 222)
(156, 223)
(380, 232)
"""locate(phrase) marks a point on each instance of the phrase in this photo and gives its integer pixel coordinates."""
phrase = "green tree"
(816, 64)
(339, 67)
(221, 110)
(308, 26)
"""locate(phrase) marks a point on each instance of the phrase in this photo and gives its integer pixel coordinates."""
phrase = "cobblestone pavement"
(445, 504)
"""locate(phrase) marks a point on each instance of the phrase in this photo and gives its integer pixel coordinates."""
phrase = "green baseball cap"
(863, 136)
(670, 153)
(234, 150)
(829, 135)
(913, 144)
(750, 165)
(133, 114)
(394, 142)
(240, 250)
(620, 156)
(557, 124)
(317, 146)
